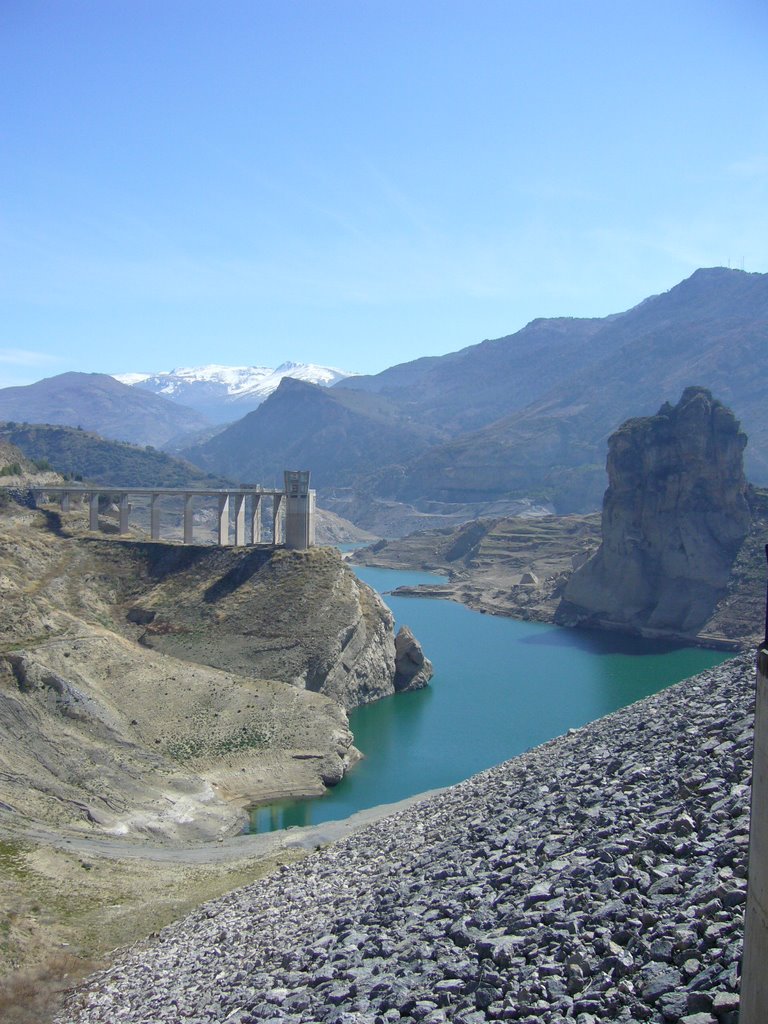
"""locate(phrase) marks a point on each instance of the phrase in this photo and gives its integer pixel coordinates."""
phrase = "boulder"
(674, 517)
(412, 669)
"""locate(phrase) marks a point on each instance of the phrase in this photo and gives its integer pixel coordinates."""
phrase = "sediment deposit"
(599, 877)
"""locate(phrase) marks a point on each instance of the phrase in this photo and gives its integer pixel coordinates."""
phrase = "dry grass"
(34, 995)
(62, 915)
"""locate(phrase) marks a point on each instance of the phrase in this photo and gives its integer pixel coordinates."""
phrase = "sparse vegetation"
(34, 995)
(79, 454)
(61, 912)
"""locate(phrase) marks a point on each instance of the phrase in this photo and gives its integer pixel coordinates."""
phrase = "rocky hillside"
(520, 567)
(515, 565)
(341, 435)
(675, 516)
(710, 330)
(600, 877)
(98, 402)
(84, 455)
(140, 684)
(298, 616)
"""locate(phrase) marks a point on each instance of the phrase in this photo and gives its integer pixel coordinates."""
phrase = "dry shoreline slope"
(599, 877)
(147, 693)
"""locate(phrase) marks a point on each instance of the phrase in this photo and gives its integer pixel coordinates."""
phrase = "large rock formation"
(674, 517)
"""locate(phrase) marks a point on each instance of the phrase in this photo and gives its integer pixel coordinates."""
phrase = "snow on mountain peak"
(131, 378)
(226, 392)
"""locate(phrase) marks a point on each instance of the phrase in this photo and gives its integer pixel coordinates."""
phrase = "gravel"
(599, 877)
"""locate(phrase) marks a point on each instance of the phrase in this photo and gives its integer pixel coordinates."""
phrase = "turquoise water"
(500, 687)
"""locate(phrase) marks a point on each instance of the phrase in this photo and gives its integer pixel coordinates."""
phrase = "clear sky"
(361, 182)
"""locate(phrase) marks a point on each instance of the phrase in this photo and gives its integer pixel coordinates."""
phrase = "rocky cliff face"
(412, 669)
(301, 617)
(674, 517)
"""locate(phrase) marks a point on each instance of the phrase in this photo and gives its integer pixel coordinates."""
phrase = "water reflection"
(274, 817)
(598, 642)
(500, 687)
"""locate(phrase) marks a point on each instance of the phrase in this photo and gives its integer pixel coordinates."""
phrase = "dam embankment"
(598, 877)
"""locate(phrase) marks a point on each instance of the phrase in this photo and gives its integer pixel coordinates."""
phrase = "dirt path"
(68, 901)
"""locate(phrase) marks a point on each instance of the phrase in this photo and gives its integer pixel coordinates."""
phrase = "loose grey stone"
(599, 877)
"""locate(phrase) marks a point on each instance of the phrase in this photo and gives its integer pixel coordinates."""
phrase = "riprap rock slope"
(600, 877)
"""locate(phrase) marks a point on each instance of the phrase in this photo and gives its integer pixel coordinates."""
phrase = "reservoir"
(500, 687)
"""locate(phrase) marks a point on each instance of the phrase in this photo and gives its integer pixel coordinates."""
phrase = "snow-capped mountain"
(225, 393)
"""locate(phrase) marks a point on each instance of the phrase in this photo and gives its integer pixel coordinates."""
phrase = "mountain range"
(225, 393)
(523, 418)
(99, 403)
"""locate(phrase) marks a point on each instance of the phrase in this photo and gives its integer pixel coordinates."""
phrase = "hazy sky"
(361, 182)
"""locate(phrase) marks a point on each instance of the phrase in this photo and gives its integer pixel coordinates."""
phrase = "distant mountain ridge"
(711, 330)
(224, 393)
(98, 402)
(340, 435)
(521, 420)
(82, 455)
(526, 416)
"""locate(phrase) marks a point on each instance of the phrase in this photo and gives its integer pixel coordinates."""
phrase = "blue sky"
(361, 182)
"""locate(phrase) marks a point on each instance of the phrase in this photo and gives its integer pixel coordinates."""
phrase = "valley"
(151, 692)
(520, 421)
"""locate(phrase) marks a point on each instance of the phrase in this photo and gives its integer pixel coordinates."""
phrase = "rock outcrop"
(101, 734)
(412, 669)
(301, 617)
(674, 517)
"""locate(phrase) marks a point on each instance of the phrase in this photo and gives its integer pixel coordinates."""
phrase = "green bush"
(12, 469)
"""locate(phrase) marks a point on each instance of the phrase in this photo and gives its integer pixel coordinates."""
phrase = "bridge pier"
(256, 519)
(125, 509)
(93, 511)
(299, 510)
(66, 500)
(154, 517)
(188, 523)
(277, 533)
(223, 533)
(240, 520)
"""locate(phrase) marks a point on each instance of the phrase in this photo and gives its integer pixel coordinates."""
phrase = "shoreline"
(244, 845)
(620, 831)
(486, 606)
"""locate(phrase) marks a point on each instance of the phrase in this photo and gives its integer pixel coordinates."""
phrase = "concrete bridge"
(241, 504)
